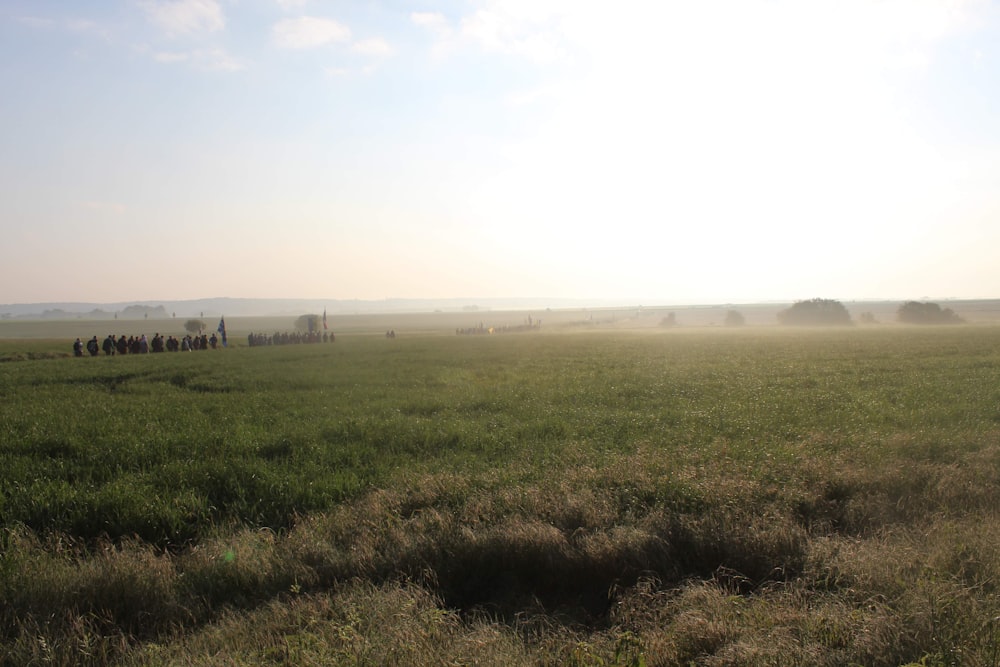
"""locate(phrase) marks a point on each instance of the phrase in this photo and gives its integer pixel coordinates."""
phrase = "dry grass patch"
(358, 623)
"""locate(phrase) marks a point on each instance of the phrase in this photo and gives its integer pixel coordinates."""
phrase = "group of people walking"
(529, 325)
(113, 345)
(285, 338)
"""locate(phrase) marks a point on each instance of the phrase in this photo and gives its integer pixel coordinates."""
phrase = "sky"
(652, 151)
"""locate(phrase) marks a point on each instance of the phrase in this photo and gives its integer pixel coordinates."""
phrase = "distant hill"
(882, 310)
(214, 307)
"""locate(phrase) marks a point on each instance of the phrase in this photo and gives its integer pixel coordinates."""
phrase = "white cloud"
(307, 32)
(892, 34)
(183, 17)
(527, 29)
(291, 4)
(434, 21)
(214, 60)
(376, 47)
(438, 26)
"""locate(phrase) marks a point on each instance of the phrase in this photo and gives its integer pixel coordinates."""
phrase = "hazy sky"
(658, 151)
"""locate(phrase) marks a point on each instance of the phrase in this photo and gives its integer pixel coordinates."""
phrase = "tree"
(815, 312)
(308, 322)
(194, 326)
(734, 318)
(669, 321)
(915, 312)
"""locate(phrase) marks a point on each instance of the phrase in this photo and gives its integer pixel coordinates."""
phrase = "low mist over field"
(866, 311)
(976, 309)
(245, 316)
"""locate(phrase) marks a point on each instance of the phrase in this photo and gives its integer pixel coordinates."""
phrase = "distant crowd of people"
(113, 345)
(285, 338)
(530, 324)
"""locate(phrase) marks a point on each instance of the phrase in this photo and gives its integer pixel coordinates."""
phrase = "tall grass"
(719, 498)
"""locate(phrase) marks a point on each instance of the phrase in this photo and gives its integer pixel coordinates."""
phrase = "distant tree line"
(827, 312)
(136, 312)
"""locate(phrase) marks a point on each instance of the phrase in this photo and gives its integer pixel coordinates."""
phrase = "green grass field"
(575, 496)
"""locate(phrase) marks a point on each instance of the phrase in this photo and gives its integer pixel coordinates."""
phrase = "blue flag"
(222, 330)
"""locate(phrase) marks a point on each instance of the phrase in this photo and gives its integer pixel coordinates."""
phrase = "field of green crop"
(760, 496)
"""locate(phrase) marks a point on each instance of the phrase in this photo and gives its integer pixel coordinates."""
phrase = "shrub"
(815, 312)
(309, 322)
(734, 318)
(915, 312)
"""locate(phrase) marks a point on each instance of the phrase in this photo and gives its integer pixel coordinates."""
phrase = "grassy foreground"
(708, 497)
